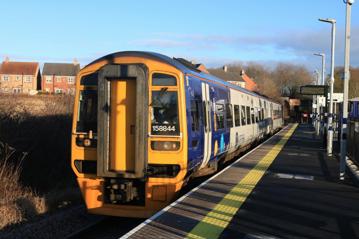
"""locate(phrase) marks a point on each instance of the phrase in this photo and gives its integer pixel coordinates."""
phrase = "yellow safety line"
(221, 215)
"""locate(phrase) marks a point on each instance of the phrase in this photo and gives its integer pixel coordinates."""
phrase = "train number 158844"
(163, 128)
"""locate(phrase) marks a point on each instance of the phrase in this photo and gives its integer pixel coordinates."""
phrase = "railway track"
(106, 228)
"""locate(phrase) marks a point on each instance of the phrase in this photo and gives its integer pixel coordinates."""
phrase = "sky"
(210, 32)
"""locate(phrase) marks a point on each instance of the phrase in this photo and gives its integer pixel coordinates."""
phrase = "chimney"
(202, 68)
(7, 59)
(75, 61)
(225, 68)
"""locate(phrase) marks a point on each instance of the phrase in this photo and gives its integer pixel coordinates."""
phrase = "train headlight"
(87, 142)
(165, 145)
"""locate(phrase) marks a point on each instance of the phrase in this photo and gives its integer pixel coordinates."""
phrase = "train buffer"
(285, 188)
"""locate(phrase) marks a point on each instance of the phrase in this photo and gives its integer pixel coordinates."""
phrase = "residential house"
(59, 77)
(249, 83)
(19, 77)
(235, 77)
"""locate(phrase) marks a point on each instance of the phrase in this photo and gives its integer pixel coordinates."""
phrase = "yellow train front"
(123, 168)
(144, 124)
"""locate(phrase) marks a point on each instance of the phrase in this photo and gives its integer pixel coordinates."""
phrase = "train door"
(207, 147)
(122, 124)
(122, 121)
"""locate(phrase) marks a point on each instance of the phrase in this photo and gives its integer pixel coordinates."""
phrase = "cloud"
(294, 46)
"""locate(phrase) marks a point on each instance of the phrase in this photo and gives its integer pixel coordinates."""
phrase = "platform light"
(322, 82)
(344, 129)
(330, 130)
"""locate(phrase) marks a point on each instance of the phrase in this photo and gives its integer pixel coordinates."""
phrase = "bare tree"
(353, 83)
(284, 80)
(290, 77)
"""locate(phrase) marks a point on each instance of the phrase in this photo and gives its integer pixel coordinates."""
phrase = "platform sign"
(313, 90)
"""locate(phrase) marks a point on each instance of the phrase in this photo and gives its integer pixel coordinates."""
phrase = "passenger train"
(144, 124)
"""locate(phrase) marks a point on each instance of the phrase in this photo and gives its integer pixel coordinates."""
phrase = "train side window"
(87, 112)
(236, 116)
(252, 115)
(262, 114)
(257, 112)
(159, 79)
(243, 115)
(220, 116)
(229, 115)
(195, 110)
(204, 112)
(248, 111)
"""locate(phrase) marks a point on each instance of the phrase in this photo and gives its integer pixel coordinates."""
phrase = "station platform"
(285, 188)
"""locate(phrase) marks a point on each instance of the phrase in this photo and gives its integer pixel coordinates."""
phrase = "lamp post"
(317, 106)
(320, 83)
(323, 66)
(344, 129)
(331, 86)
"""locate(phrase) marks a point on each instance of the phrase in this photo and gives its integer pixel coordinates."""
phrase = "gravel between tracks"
(59, 224)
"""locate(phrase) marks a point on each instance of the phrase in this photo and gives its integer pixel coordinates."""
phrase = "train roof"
(180, 64)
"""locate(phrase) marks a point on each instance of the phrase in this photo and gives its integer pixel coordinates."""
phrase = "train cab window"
(236, 116)
(219, 116)
(229, 115)
(87, 113)
(90, 80)
(243, 115)
(248, 111)
(164, 118)
(159, 79)
(195, 114)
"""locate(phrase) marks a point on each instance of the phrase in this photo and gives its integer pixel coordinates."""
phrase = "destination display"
(313, 90)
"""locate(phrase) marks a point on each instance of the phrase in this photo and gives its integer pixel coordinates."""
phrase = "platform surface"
(285, 188)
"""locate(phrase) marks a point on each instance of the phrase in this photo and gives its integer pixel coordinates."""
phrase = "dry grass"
(17, 203)
(41, 179)
(18, 107)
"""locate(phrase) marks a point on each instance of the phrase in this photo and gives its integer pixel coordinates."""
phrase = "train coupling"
(121, 191)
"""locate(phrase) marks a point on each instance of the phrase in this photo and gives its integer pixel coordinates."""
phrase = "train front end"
(128, 147)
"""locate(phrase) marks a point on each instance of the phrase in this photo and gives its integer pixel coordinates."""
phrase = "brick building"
(249, 83)
(235, 77)
(19, 77)
(59, 77)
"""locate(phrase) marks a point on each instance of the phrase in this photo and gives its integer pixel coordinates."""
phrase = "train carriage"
(353, 130)
(144, 124)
